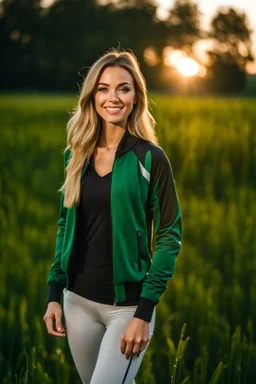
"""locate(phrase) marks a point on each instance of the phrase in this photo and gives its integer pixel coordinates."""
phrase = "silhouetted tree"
(74, 34)
(133, 3)
(19, 29)
(184, 25)
(232, 49)
(52, 48)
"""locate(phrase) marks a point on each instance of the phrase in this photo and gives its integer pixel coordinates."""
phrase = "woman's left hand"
(135, 337)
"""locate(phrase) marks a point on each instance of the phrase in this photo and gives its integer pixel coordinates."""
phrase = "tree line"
(51, 48)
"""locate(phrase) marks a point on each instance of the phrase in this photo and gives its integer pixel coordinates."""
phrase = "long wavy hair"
(84, 126)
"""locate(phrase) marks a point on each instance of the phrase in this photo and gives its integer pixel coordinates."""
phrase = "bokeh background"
(198, 58)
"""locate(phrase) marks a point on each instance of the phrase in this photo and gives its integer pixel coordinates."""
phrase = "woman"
(118, 183)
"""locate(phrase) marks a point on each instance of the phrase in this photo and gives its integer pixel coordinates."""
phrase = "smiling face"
(115, 96)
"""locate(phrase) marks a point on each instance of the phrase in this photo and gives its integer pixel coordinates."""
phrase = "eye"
(125, 89)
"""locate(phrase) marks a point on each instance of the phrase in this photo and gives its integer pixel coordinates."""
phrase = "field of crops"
(204, 331)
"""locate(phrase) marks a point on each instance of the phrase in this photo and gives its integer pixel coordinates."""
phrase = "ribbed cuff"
(55, 291)
(145, 309)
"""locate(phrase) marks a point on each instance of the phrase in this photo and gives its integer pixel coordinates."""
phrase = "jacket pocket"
(138, 250)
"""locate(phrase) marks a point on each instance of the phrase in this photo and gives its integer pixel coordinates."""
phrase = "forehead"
(115, 76)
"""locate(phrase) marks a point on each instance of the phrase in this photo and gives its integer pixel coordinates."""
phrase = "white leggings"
(93, 332)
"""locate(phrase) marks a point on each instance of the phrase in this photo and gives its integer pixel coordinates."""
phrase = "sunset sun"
(188, 67)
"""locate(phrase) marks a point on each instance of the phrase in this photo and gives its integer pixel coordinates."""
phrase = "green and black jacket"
(143, 199)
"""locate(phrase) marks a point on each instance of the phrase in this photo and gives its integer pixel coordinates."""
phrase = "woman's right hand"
(52, 319)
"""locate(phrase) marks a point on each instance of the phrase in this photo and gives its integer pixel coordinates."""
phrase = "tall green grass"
(204, 332)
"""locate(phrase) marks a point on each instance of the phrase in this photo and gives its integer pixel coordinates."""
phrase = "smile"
(113, 110)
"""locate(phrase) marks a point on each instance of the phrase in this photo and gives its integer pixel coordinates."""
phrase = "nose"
(114, 97)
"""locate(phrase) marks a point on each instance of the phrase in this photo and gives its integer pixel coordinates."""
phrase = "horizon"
(208, 9)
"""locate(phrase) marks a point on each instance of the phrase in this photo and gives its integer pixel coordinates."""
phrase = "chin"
(115, 120)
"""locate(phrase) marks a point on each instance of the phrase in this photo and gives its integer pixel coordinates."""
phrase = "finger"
(122, 344)
(136, 348)
(48, 321)
(49, 325)
(51, 331)
(58, 322)
(141, 349)
(54, 333)
(128, 350)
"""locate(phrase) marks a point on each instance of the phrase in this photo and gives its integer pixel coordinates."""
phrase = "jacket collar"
(126, 143)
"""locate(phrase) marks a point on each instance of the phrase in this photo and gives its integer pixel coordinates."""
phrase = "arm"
(167, 219)
(56, 277)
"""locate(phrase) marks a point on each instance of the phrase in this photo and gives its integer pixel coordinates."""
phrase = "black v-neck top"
(94, 279)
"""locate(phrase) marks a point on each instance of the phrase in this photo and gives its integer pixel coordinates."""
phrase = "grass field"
(204, 331)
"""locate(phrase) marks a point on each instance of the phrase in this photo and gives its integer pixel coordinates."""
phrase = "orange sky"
(208, 9)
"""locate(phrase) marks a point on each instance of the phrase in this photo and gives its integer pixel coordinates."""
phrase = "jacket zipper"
(138, 250)
(113, 286)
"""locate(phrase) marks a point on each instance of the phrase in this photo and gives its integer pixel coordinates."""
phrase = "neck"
(110, 136)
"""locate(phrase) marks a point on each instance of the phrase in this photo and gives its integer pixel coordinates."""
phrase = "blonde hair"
(83, 128)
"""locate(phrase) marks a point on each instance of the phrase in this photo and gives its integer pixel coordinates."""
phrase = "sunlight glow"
(188, 67)
(173, 57)
(46, 3)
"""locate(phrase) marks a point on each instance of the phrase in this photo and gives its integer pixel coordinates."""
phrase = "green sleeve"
(56, 276)
(167, 220)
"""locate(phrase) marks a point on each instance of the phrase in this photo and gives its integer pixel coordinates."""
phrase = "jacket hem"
(55, 291)
(145, 309)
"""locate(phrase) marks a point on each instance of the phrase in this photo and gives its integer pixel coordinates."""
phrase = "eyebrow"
(125, 82)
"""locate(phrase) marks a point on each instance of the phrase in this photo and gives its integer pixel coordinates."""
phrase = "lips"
(113, 107)
(113, 110)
